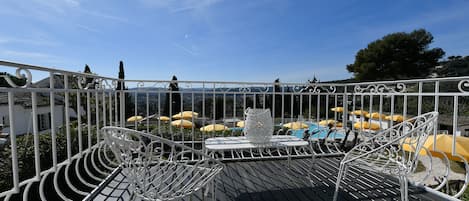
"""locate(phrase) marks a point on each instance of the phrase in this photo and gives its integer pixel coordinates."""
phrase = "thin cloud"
(73, 2)
(36, 56)
(179, 6)
(185, 49)
(105, 16)
(25, 54)
(53, 11)
(59, 6)
(194, 5)
(87, 28)
(28, 41)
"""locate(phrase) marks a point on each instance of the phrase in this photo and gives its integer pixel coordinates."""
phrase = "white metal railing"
(90, 97)
(84, 103)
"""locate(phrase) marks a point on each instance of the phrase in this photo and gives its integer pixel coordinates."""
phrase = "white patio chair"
(384, 152)
(157, 168)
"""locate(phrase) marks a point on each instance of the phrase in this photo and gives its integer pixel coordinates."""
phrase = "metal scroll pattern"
(381, 88)
(28, 77)
(463, 86)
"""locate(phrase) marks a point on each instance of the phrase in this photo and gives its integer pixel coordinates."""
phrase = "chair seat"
(378, 162)
(158, 168)
(166, 179)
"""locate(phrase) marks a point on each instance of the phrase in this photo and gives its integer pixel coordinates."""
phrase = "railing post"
(67, 118)
(116, 114)
(104, 105)
(52, 122)
(14, 149)
(437, 101)
(80, 137)
(455, 124)
(88, 116)
(37, 156)
(419, 99)
(122, 103)
(345, 106)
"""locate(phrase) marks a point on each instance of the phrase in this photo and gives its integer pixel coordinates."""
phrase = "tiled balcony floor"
(275, 180)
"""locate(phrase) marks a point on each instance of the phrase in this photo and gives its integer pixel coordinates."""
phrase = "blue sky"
(229, 40)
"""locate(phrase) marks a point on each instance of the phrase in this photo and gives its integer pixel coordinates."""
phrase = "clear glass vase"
(259, 125)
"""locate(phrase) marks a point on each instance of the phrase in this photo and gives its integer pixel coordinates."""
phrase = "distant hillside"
(454, 66)
(350, 80)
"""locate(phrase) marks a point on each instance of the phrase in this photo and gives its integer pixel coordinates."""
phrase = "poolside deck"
(275, 180)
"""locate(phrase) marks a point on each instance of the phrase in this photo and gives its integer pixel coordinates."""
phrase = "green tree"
(397, 56)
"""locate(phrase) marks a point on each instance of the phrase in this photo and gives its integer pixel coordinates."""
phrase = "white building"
(23, 114)
(23, 122)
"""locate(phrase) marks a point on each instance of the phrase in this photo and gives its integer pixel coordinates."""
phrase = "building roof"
(24, 98)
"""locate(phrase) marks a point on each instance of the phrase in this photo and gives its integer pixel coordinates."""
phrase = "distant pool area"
(236, 129)
(313, 128)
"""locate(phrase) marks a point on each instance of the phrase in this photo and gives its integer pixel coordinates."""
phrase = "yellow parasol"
(214, 127)
(396, 117)
(134, 118)
(295, 125)
(240, 124)
(185, 115)
(376, 115)
(337, 109)
(366, 125)
(330, 121)
(182, 123)
(163, 118)
(359, 112)
(444, 143)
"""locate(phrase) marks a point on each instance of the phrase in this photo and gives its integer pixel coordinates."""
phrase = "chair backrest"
(416, 131)
(157, 168)
(402, 142)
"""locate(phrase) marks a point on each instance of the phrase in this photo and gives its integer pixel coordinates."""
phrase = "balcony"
(52, 146)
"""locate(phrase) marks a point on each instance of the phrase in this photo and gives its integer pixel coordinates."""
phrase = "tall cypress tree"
(121, 76)
(129, 106)
(278, 98)
(88, 80)
(87, 69)
(175, 103)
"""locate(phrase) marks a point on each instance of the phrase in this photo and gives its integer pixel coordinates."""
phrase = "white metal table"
(240, 148)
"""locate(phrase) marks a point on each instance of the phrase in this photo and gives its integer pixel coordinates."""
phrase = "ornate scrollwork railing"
(381, 88)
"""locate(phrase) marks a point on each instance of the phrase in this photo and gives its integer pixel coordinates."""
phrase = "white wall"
(23, 117)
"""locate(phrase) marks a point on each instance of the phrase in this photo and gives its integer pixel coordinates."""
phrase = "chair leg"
(214, 185)
(404, 188)
(342, 170)
(312, 169)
